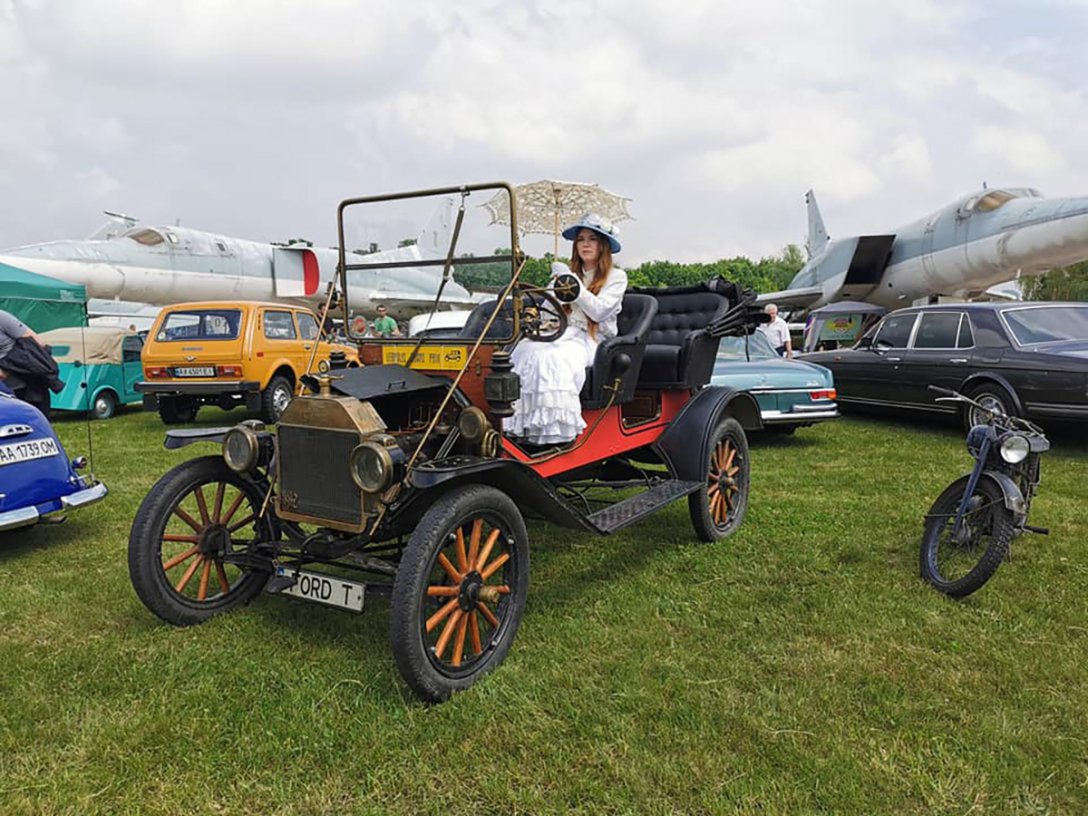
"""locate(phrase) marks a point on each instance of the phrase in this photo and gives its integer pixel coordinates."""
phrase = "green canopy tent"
(40, 302)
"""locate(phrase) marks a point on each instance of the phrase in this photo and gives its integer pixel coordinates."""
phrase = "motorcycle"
(971, 525)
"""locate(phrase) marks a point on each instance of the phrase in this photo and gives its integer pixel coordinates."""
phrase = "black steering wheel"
(542, 318)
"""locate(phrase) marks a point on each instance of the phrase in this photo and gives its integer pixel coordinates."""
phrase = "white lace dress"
(552, 374)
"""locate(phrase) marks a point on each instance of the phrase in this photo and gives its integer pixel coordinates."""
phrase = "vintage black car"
(1025, 359)
(397, 478)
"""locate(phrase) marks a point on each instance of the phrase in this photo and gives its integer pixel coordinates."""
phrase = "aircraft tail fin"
(817, 232)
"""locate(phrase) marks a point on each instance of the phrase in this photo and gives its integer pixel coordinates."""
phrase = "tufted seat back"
(632, 324)
(679, 353)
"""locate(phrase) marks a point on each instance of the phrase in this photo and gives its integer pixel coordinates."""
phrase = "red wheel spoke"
(447, 633)
(474, 633)
(177, 559)
(185, 538)
(202, 589)
(202, 504)
(438, 616)
(233, 508)
(487, 613)
(488, 545)
(493, 567)
(188, 574)
(450, 569)
(221, 573)
(220, 492)
(459, 550)
(242, 523)
(181, 514)
(459, 643)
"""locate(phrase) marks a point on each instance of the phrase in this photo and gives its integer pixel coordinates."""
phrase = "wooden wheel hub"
(469, 592)
(214, 540)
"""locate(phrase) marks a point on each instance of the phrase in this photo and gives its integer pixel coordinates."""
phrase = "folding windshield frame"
(448, 264)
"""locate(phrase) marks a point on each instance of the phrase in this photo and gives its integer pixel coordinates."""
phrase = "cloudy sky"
(254, 119)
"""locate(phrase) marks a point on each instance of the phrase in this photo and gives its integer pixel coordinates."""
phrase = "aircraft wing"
(788, 299)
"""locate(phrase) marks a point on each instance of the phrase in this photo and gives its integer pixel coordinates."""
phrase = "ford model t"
(397, 478)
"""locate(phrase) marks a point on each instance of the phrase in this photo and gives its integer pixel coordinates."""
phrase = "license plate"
(327, 589)
(25, 451)
(194, 371)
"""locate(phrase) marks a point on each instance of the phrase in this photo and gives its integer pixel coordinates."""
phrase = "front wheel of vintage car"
(460, 591)
(718, 509)
(188, 526)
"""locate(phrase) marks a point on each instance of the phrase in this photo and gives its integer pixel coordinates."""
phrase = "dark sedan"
(1027, 359)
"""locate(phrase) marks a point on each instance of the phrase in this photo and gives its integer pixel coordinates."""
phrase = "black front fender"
(1010, 492)
(181, 437)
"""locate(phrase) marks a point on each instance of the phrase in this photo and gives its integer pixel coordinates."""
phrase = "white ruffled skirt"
(552, 376)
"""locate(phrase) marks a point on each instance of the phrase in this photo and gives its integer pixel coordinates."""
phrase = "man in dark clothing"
(26, 366)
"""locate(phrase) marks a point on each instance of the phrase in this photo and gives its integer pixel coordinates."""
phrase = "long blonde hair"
(600, 275)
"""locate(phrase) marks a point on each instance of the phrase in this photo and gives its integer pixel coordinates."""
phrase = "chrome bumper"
(26, 516)
(794, 417)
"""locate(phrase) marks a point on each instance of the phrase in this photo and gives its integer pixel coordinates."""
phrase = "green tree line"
(1070, 283)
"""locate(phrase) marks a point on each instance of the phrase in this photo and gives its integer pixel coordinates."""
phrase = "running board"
(619, 515)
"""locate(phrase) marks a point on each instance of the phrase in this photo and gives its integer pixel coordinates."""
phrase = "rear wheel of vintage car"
(958, 566)
(992, 396)
(275, 399)
(177, 410)
(190, 522)
(105, 405)
(718, 509)
(460, 591)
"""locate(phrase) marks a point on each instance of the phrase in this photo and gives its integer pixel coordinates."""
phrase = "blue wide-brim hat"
(601, 226)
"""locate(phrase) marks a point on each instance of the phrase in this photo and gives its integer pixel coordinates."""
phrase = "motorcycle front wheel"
(958, 565)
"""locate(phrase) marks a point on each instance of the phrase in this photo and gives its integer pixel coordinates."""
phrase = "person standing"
(385, 326)
(26, 366)
(778, 332)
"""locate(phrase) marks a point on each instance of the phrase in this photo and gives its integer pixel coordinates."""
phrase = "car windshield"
(759, 348)
(203, 324)
(450, 248)
(1047, 324)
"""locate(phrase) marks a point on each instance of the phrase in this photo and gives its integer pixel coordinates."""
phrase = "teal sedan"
(791, 393)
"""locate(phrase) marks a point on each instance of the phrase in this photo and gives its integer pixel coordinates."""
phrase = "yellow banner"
(434, 358)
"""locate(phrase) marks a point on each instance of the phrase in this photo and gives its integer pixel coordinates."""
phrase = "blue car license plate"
(27, 450)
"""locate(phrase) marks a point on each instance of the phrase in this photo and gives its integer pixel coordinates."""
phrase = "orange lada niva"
(229, 354)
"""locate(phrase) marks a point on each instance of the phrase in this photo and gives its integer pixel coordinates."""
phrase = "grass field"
(799, 667)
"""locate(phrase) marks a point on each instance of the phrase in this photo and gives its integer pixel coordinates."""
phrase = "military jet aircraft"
(986, 238)
(162, 265)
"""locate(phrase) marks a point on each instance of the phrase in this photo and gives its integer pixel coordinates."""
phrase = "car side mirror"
(864, 343)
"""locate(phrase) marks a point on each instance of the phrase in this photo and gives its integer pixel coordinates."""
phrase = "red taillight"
(228, 371)
(155, 372)
(823, 394)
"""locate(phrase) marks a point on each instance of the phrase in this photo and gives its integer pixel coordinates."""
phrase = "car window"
(307, 326)
(759, 347)
(130, 349)
(279, 326)
(966, 337)
(1045, 324)
(200, 324)
(937, 330)
(895, 331)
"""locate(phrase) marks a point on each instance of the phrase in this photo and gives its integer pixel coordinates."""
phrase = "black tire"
(719, 508)
(455, 599)
(960, 568)
(180, 530)
(105, 405)
(992, 396)
(275, 398)
(177, 410)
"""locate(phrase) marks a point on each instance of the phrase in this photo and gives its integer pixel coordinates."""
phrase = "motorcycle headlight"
(1015, 448)
(371, 467)
(240, 449)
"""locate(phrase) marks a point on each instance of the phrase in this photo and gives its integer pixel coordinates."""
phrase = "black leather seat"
(632, 324)
(679, 350)
(502, 328)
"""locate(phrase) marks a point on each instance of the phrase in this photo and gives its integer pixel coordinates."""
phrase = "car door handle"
(894, 359)
(958, 360)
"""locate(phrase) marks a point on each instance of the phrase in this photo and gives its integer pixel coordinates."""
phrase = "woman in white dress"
(552, 374)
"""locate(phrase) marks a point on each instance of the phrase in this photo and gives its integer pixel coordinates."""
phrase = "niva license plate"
(194, 371)
(327, 589)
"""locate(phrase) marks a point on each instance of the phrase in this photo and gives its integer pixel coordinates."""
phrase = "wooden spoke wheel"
(191, 520)
(460, 591)
(718, 509)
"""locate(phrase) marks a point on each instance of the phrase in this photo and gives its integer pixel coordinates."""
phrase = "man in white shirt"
(778, 332)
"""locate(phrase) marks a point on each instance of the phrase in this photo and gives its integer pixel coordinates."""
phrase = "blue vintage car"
(100, 366)
(36, 476)
(791, 393)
